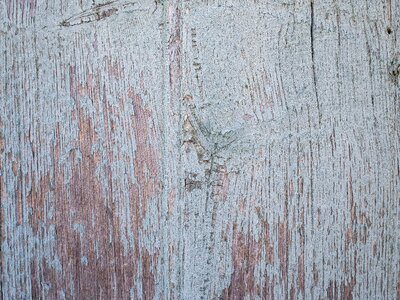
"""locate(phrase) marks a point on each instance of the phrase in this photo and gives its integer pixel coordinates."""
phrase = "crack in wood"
(98, 13)
(312, 25)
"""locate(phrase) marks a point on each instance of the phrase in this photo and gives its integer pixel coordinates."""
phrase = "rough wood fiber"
(200, 149)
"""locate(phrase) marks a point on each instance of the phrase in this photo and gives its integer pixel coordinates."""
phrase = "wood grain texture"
(202, 149)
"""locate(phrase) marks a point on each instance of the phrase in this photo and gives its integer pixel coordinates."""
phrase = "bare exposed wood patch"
(246, 254)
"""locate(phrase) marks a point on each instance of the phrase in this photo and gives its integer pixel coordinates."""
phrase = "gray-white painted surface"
(200, 149)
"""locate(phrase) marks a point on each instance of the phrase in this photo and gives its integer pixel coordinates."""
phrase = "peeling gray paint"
(199, 149)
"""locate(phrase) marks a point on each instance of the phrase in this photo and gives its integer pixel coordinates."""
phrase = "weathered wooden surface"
(200, 149)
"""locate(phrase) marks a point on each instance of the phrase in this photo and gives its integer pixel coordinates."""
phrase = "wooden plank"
(199, 149)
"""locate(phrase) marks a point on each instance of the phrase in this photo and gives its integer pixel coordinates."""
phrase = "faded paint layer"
(205, 149)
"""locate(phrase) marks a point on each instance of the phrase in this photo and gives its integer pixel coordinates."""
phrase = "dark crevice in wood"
(312, 26)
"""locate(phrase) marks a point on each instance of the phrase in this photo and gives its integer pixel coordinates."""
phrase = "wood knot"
(191, 183)
(394, 67)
